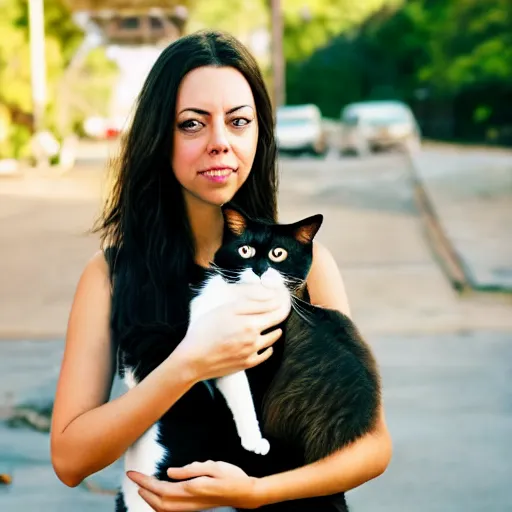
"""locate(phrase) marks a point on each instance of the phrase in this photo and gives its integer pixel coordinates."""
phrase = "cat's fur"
(318, 392)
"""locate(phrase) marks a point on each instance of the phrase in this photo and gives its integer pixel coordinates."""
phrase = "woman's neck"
(207, 224)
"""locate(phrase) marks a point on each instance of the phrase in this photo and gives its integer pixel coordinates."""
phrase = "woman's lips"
(217, 175)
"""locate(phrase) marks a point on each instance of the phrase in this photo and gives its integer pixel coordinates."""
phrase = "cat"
(319, 391)
(326, 391)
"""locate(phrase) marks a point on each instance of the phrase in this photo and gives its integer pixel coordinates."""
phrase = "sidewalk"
(471, 192)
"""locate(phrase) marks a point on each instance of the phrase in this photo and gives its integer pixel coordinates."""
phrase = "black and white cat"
(319, 391)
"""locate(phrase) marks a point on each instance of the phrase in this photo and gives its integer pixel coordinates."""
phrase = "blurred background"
(393, 119)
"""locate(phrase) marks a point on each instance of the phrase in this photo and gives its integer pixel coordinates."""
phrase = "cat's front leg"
(237, 392)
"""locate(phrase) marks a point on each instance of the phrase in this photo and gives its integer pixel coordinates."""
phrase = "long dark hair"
(145, 220)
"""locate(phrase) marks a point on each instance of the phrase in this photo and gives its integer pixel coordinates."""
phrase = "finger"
(147, 482)
(272, 318)
(153, 500)
(191, 505)
(267, 340)
(257, 359)
(194, 470)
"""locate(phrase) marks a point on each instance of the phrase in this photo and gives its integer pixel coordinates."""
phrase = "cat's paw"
(259, 446)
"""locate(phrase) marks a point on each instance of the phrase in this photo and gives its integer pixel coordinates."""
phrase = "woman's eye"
(278, 254)
(246, 251)
(240, 122)
(190, 125)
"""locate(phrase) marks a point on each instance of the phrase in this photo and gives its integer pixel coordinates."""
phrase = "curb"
(453, 265)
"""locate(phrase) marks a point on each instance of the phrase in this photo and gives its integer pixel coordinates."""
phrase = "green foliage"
(451, 60)
(238, 17)
(71, 94)
(310, 24)
(61, 39)
(59, 26)
(469, 42)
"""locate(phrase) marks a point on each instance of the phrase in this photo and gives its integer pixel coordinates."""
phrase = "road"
(445, 357)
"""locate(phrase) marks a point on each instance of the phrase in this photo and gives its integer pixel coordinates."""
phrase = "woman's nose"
(218, 142)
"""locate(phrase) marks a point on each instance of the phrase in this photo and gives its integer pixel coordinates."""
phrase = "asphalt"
(446, 358)
(449, 408)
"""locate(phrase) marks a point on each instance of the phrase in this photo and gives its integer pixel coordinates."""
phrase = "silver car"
(372, 125)
(299, 128)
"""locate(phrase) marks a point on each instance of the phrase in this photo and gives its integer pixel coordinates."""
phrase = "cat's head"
(254, 250)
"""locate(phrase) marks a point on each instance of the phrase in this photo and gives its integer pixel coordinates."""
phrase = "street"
(446, 358)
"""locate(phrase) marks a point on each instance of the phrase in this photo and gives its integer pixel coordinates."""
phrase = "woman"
(202, 135)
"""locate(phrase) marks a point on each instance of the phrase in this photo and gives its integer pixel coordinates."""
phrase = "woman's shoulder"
(97, 266)
(93, 290)
(325, 284)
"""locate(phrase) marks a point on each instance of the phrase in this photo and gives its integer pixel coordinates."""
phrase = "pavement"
(471, 192)
(446, 358)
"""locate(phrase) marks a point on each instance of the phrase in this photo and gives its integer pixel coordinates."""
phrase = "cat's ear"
(234, 221)
(305, 230)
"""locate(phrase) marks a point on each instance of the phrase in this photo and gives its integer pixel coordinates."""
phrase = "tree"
(311, 24)
(62, 39)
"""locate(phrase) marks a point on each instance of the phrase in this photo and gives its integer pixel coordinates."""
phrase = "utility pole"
(37, 62)
(278, 65)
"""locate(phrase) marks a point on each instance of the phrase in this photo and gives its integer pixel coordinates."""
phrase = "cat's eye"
(278, 254)
(246, 251)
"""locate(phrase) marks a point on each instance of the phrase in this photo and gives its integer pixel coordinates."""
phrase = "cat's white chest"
(216, 292)
(235, 387)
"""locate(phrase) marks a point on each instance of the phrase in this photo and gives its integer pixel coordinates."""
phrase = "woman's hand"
(228, 338)
(207, 485)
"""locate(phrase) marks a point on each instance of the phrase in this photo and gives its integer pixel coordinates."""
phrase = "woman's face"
(215, 135)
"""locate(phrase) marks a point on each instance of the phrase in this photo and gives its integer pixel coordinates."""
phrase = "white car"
(371, 125)
(299, 128)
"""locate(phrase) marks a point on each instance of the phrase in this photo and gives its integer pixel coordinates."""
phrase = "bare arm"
(353, 465)
(363, 460)
(88, 433)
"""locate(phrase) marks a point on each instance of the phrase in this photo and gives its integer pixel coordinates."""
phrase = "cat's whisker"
(216, 269)
(225, 272)
(294, 283)
(301, 314)
(292, 279)
(301, 311)
(299, 300)
(228, 274)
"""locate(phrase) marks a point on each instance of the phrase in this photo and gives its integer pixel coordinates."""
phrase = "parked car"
(299, 128)
(372, 125)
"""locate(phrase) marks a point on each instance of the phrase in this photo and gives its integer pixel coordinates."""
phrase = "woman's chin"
(213, 198)
(219, 198)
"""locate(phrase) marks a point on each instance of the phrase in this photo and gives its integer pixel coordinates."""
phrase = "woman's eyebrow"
(206, 113)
